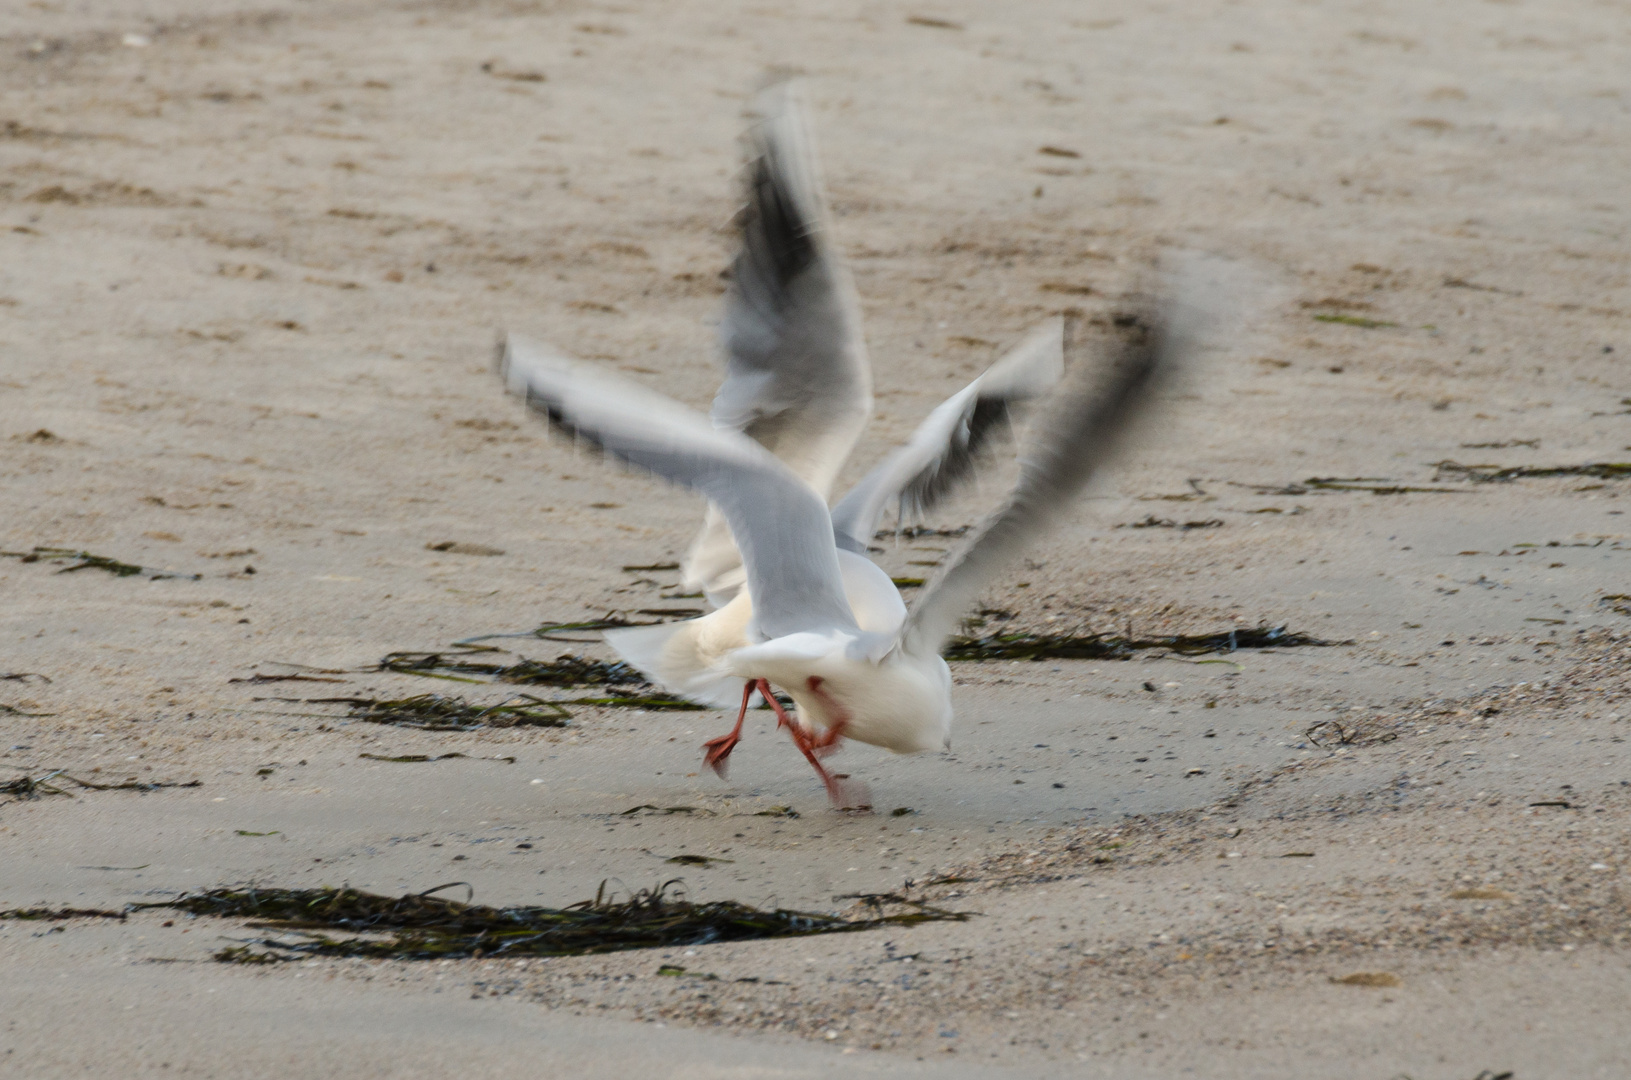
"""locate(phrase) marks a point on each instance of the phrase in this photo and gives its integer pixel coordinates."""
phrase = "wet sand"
(252, 271)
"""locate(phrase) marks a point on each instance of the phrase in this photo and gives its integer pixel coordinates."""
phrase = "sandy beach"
(253, 261)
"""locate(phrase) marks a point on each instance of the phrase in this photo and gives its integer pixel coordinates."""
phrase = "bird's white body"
(800, 605)
(866, 686)
(901, 702)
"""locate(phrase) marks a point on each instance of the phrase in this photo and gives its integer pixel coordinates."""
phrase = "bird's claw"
(717, 752)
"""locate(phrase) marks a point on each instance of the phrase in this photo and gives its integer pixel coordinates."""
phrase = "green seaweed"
(623, 699)
(1376, 485)
(1030, 646)
(625, 687)
(1496, 474)
(89, 561)
(33, 787)
(552, 631)
(1152, 522)
(433, 712)
(40, 914)
(566, 670)
(426, 927)
(1353, 320)
(912, 532)
(28, 787)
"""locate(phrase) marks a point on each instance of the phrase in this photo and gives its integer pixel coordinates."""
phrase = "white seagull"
(801, 606)
(797, 379)
(818, 619)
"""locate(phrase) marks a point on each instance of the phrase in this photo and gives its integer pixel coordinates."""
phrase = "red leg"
(717, 752)
(842, 795)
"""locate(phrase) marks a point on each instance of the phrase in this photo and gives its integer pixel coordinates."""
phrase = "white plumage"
(801, 606)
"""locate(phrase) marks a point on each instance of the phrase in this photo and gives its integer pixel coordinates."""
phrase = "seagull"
(800, 605)
(797, 377)
(816, 618)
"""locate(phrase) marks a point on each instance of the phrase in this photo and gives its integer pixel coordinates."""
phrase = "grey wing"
(797, 378)
(1090, 419)
(946, 447)
(781, 523)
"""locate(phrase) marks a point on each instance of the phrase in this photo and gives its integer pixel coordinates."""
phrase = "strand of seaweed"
(565, 670)
(612, 621)
(32, 787)
(1152, 522)
(1376, 485)
(912, 532)
(1030, 646)
(434, 712)
(89, 561)
(624, 686)
(423, 926)
(41, 914)
(1496, 474)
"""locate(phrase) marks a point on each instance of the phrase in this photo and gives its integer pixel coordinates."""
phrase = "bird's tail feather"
(656, 654)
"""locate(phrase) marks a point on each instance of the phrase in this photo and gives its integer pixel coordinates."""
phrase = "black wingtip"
(777, 234)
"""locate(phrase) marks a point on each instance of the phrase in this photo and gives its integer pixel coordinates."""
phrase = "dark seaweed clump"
(566, 670)
(426, 927)
(624, 686)
(1027, 646)
(434, 712)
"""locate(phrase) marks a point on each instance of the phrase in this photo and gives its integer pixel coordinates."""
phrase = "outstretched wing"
(796, 374)
(780, 522)
(1090, 419)
(946, 447)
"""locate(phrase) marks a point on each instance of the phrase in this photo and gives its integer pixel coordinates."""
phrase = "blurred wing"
(945, 449)
(796, 378)
(1089, 422)
(782, 525)
(796, 374)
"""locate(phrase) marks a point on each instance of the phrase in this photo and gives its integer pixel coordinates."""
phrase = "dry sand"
(252, 259)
